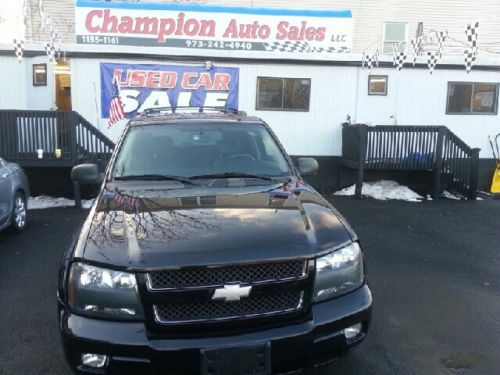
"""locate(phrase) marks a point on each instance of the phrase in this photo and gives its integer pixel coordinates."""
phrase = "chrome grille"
(218, 276)
(268, 304)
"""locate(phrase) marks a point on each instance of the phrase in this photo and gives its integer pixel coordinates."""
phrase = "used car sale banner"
(142, 86)
(213, 29)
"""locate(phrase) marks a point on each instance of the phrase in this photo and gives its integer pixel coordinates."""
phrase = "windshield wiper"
(232, 175)
(155, 177)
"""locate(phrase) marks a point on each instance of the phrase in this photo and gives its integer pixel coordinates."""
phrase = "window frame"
(471, 113)
(386, 77)
(405, 41)
(282, 109)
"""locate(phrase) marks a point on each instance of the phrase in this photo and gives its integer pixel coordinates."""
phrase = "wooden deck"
(431, 148)
(23, 133)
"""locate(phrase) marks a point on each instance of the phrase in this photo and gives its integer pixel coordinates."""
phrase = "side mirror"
(308, 166)
(86, 174)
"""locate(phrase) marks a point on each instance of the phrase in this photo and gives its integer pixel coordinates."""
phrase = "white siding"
(13, 91)
(368, 15)
(61, 12)
(417, 98)
(318, 131)
(304, 133)
(414, 98)
(18, 91)
(11, 21)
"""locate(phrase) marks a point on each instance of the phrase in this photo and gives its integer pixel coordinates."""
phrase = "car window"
(198, 149)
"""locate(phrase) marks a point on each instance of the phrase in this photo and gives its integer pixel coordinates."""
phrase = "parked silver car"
(14, 193)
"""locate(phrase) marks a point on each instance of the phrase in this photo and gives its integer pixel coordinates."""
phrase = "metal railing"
(433, 148)
(23, 133)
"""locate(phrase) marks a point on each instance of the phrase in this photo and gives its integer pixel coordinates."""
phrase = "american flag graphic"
(116, 112)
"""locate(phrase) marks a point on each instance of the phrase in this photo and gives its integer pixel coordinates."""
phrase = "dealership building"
(305, 72)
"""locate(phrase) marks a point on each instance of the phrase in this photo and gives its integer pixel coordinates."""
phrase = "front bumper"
(293, 347)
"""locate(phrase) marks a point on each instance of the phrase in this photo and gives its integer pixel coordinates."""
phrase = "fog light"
(94, 360)
(352, 331)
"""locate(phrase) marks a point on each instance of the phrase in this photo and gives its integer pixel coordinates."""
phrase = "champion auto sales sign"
(234, 30)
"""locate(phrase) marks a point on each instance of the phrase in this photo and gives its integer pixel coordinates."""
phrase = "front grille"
(217, 276)
(262, 305)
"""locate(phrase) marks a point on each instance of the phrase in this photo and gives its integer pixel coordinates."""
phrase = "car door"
(5, 198)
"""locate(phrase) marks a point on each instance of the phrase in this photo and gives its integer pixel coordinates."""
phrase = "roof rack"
(202, 109)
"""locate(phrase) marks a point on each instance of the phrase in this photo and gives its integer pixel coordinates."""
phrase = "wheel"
(19, 213)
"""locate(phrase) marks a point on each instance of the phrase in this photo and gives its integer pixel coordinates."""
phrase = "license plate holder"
(240, 360)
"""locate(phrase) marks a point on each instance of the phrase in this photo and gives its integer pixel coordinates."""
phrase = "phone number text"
(218, 44)
(94, 39)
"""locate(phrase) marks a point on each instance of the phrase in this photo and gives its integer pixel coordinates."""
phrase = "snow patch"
(446, 194)
(43, 201)
(384, 190)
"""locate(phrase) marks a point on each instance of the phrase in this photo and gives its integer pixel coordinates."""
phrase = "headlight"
(103, 293)
(338, 273)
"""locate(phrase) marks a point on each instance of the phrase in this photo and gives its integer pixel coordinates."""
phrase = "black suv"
(207, 253)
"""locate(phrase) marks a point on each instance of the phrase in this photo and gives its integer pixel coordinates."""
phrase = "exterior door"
(5, 197)
(63, 103)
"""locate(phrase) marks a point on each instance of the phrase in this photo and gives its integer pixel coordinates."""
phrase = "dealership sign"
(214, 28)
(143, 86)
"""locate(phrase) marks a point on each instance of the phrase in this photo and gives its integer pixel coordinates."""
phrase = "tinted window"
(283, 94)
(198, 149)
(472, 98)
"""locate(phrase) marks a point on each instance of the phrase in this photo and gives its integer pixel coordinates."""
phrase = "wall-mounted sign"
(255, 31)
(143, 86)
(39, 74)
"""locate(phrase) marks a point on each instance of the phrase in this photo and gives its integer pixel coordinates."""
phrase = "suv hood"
(153, 229)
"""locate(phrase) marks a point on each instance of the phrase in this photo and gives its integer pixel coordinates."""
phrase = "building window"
(394, 33)
(472, 98)
(283, 94)
(377, 85)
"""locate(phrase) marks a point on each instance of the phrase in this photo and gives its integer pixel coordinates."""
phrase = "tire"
(19, 213)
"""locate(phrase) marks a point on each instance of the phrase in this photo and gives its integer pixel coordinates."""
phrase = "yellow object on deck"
(495, 184)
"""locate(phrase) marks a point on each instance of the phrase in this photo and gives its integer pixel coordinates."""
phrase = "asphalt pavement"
(434, 269)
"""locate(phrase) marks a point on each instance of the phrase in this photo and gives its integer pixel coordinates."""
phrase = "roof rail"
(157, 110)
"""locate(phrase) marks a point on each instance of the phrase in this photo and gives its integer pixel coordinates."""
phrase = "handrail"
(23, 133)
(108, 142)
(417, 147)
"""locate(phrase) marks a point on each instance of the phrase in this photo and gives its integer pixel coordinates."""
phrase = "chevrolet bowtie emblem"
(231, 293)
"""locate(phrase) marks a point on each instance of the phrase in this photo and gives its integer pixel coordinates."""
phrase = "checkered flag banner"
(395, 48)
(51, 51)
(470, 56)
(399, 60)
(18, 49)
(441, 37)
(471, 33)
(369, 60)
(54, 37)
(59, 44)
(432, 59)
(417, 45)
(300, 47)
(288, 46)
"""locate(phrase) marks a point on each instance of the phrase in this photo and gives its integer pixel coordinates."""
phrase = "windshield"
(200, 150)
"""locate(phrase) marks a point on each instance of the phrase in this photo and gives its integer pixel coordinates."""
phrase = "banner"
(215, 29)
(143, 86)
